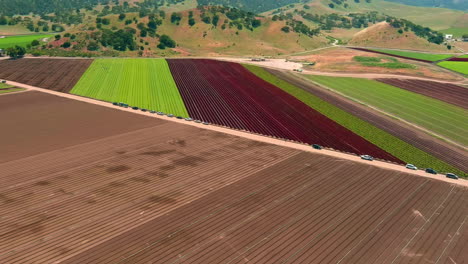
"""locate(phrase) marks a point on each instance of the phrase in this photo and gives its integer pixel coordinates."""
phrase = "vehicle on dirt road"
(411, 167)
(135, 108)
(367, 157)
(452, 176)
(316, 146)
(431, 171)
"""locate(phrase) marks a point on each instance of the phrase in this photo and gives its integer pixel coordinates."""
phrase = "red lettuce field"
(227, 94)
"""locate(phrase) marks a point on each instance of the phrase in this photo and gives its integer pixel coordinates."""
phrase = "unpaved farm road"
(283, 64)
(265, 139)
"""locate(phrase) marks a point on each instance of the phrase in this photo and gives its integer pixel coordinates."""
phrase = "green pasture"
(10, 41)
(145, 83)
(439, 117)
(458, 66)
(376, 136)
(416, 55)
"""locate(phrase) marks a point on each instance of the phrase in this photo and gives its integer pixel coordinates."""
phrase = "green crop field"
(380, 138)
(439, 117)
(11, 41)
(145, 83)
(416, 55)
(11, 90)
(463, 56)
(458, 66)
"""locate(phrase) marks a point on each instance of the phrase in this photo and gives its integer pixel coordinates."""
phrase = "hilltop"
(383, 35)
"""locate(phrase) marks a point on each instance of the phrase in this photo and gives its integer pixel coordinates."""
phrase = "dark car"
(153, 112)
(143, 110)
(170, 115)
(206, 123)
(115, 103)
(179, 117)
(431, 171)
(452, 176)
(135, 108)
(316, 146)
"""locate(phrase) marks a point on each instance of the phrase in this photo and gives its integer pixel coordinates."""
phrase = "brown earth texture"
(155, 191)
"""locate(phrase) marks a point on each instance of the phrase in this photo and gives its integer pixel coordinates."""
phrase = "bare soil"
(170, 192)
(35, 122)
(55, 74)
(340, 60)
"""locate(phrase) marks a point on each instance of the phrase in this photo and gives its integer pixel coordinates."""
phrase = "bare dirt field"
(168, 192)
(340, 60)
(50, 122)
(56, 74)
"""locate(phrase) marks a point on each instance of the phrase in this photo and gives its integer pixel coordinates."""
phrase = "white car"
(411, 167)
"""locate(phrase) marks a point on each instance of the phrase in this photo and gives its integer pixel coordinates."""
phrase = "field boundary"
(261, 138)
(429, 132)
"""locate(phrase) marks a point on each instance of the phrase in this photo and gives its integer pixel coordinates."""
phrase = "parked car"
(115, 103)
(316, 146)
(170, 115)
(160, 113)
(198, 121)
(367, 157)
(135, 108)
(179, 117)
(452, 176)
(153, 112)
(206, 123)
(188, 119)
(411, 167)
(431, 171)
(143, 110)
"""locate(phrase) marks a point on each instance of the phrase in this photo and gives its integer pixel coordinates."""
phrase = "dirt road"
(251, 136)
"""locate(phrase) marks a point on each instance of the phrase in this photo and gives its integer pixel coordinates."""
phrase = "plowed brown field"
(168, 193)
(55, 74)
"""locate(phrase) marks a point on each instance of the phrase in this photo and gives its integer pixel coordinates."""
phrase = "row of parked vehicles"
(412, 167)
(408, 166)
(124, 105)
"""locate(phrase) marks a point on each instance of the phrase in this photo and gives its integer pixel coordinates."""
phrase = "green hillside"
(439, 18)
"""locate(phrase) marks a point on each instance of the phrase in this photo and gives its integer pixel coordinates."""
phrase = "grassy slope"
(382, 35)
(417, 55)
(458, 66)
(439, 18)
(380, 138)
(21, 40)
(441, 118)
(145, 83)
(265, 40)
(13, 30)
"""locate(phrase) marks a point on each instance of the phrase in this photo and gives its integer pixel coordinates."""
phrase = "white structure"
(448, 36)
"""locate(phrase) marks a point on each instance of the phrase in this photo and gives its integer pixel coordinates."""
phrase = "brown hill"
(383, 35)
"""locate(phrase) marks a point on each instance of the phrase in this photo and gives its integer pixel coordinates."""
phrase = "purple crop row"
(227, 94)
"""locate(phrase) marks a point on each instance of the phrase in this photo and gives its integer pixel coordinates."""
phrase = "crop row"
(144, 83)
(444, 119)
(227, 94)
(458, 66)
(390, 143)
(449, 93)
